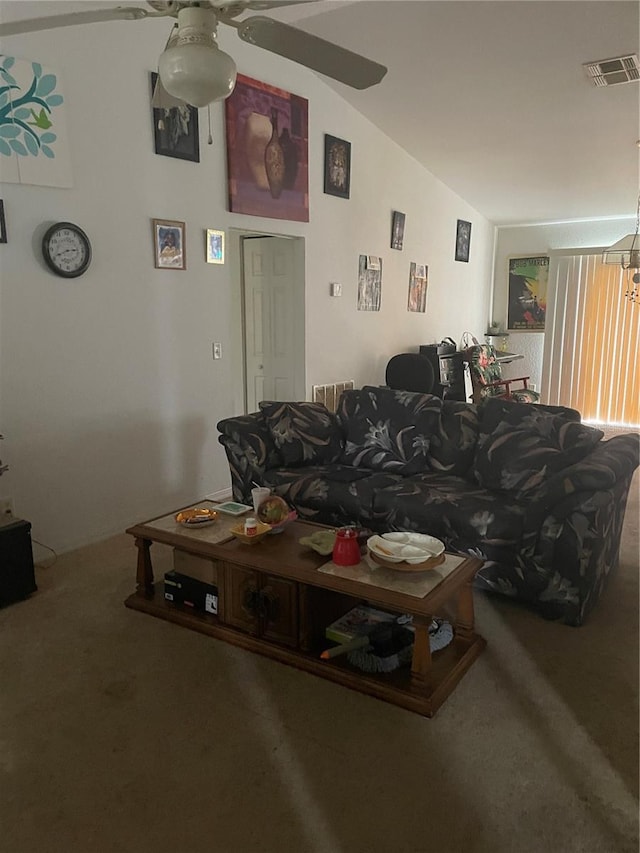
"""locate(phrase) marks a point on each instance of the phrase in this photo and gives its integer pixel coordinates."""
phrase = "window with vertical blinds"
(592, 340)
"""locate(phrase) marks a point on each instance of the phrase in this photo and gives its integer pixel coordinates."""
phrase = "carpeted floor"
(120, 733)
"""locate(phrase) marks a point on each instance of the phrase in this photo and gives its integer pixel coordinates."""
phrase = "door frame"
(235, 237)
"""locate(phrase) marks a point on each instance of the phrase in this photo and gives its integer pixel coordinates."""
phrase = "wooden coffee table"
(277, 597)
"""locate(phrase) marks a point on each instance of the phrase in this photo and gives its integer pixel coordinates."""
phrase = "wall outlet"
(6, 506)
(217, 350)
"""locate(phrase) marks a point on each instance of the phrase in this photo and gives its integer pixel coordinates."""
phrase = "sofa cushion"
(521, 446)
(347, 491)
(388, 430)
(466, 516)
(304, 433)
(453, 444)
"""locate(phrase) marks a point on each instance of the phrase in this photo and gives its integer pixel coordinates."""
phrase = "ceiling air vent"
(610, 72)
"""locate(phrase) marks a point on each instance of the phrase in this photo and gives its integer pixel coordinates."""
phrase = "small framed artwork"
(528, 280)
(175, 131)
(463, 240)
(168, 244)
(3, 224)
(417, 287)
(369, 283)
(397, 230)
(215, 247)
(337, 166)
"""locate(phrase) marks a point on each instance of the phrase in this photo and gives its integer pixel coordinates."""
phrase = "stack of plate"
(408, 552)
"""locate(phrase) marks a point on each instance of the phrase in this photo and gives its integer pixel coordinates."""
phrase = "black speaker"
(17, 577)
(431, 352)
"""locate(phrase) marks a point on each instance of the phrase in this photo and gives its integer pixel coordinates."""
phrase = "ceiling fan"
(193, 69)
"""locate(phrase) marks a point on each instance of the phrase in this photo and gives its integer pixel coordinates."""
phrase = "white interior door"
(272, 298)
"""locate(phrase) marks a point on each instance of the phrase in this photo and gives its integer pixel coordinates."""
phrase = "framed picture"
(528, 279)
(168, 245)
(215, 247)
(175, 131)
(417, 288)
(397, 230)
(369, 282)
(463, 240)
(267, 151)
(337, 166)
(3, 224)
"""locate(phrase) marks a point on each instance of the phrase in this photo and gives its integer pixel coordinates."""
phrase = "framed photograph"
(3, 224)
(528, 280)
(417, 301)
(168, 245)
(397, 230)
(215, 247)
(175, 131)
(463, 240)
(267, 151)
(337, 166)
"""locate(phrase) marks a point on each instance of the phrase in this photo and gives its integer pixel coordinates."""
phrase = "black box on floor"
(181, 589)
(17, 578)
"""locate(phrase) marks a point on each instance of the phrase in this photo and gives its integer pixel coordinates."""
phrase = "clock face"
(66, 249)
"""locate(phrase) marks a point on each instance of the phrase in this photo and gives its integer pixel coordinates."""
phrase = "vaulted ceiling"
(492, 98)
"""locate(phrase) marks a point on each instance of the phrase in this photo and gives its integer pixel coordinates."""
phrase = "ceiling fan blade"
(126, 13)
(313, 52)
(261, 5)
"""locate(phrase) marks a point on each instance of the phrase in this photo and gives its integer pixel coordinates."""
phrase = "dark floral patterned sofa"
(539, 496)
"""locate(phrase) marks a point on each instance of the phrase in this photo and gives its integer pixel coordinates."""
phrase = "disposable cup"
(259, 495)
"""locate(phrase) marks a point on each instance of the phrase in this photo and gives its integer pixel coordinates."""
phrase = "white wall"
(538, 240)
(109, 396)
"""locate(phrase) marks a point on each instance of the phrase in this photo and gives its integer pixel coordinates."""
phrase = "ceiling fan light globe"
(197, 74)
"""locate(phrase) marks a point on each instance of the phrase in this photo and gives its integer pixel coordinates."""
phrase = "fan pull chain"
(210, 139)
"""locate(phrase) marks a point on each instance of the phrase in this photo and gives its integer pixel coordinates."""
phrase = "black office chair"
(410, 371)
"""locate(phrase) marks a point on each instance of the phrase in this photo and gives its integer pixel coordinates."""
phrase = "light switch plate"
(336, 288)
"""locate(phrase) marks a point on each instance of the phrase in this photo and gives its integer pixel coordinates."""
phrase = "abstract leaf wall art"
(34, 142)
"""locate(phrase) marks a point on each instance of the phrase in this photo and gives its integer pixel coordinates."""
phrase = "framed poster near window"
(528, 279)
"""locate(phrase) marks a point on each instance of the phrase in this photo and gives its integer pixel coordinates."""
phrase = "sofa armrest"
(600, 470)
(577, 547)
(250, 451)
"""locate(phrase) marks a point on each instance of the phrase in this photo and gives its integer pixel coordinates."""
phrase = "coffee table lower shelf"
(399, 688)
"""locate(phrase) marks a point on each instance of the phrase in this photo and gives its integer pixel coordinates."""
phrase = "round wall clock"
(66, 249)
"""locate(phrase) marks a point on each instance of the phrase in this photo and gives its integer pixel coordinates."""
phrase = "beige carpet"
(120, 733)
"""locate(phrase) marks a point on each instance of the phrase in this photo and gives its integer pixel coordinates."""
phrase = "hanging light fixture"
(626, 253)
(192, 67)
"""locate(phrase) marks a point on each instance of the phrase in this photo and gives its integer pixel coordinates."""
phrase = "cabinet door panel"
(279, 608)
(241, 599)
